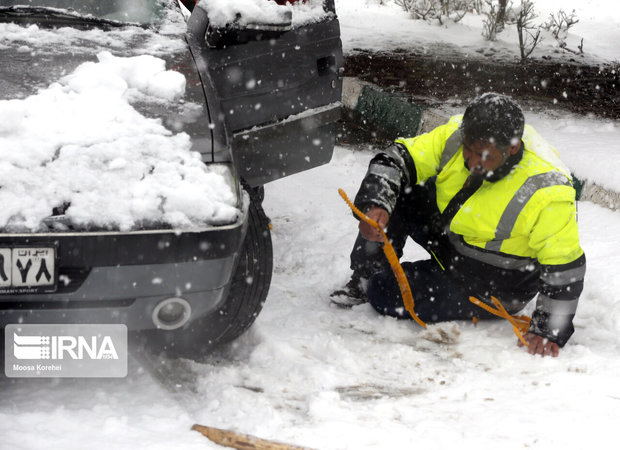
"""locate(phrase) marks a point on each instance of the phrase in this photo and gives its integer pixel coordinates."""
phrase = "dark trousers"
(438, 296)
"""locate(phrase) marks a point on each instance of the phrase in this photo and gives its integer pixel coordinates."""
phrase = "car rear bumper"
(122, 277)
(126, 294)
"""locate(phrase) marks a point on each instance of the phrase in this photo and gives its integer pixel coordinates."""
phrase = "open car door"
(275, 74)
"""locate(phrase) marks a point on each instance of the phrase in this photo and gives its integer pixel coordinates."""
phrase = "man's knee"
(384, 295)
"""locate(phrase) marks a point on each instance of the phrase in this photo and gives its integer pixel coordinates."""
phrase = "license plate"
(27, 269)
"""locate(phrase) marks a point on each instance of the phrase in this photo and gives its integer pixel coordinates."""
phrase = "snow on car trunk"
(79, 142)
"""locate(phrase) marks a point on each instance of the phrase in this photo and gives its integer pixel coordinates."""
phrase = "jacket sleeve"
(388, 173)
(563, 267)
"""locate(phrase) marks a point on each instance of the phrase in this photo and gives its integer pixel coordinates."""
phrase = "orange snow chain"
(390, 254)
(520, 324)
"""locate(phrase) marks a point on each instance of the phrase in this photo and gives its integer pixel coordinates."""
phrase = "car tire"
(247, 294)
(252, 277)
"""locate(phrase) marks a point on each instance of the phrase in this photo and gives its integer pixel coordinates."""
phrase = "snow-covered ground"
(311, 374)
(383, 25)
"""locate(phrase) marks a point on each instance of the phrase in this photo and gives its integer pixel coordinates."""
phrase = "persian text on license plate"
(27, 269)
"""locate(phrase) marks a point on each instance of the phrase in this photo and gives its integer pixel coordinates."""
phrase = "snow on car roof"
(80, 142)
(243, 12)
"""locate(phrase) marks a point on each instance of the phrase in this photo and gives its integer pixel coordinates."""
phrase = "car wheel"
(251, 280)
(247, 294)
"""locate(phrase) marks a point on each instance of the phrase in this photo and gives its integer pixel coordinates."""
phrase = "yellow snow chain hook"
(520, 324)
(390, 254)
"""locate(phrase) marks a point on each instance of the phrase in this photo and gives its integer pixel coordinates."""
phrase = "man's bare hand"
(539, 345)
(380, 216)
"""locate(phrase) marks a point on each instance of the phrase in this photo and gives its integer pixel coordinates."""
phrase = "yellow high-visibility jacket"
(517, 234)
